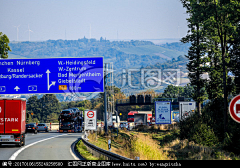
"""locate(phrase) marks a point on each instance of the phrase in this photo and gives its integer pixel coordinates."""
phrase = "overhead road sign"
(162, 112)
(51, 75)
(234, 108)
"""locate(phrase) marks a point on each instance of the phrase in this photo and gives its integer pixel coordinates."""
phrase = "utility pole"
(108, 87)
(105, 100)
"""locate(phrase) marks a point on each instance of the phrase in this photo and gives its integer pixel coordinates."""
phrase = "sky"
(74, 19)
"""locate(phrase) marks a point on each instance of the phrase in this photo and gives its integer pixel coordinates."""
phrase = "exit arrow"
(53, 82)
(16, 88)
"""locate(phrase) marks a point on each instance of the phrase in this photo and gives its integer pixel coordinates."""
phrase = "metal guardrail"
(101, 153)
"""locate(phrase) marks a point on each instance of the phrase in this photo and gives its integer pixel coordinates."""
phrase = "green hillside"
(162, 52)
(123, 54)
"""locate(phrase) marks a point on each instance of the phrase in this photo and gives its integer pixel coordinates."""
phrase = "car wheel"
(35, 132)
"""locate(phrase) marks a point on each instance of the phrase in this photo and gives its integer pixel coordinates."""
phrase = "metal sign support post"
(105, 102)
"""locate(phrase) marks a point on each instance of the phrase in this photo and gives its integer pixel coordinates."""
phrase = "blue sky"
(110, 19)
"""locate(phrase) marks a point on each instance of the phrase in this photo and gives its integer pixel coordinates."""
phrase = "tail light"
(45, 127)
(33, 128)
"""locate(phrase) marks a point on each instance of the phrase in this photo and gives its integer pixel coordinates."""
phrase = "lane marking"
(13, 157)
(72, 151)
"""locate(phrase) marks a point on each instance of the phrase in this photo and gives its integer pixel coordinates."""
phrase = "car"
(67, 114)
(31, 128)
(42, 127)
(123, 125)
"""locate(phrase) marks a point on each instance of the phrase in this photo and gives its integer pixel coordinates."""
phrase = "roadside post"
(109, 145)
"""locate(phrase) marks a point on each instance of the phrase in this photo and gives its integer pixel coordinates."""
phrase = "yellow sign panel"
(14, 129)
(62, 87)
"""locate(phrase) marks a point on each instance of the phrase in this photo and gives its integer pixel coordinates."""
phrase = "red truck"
(149, 114)
(130, 117)
(12, 121)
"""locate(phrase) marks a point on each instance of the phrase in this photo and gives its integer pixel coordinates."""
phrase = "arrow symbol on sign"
(16, 88)
(53, 82)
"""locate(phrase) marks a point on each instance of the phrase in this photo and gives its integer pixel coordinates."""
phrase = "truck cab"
(130, 117)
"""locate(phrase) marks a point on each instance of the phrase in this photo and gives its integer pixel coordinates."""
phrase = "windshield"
(130, 116)
(65, 112)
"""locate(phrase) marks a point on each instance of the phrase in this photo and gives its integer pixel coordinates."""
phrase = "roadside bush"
(204, 135)
(193, 129)
(208, 129)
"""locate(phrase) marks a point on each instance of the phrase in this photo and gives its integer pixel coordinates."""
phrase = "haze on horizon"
(110, 19)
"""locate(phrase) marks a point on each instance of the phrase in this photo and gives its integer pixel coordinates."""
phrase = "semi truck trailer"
(71, 120)
(12, 121)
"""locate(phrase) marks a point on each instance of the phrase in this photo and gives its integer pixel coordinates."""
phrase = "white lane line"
(72, 150)
(13, 157)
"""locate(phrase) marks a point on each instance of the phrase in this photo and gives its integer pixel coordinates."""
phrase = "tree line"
(214, 35)
(47, 108)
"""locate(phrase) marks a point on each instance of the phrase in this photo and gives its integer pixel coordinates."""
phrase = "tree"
(235, 60)
(33, 107)
(172, 91)
(4, 48)
(222, 21)
(197, 50)
(49, 104)
(218, 20)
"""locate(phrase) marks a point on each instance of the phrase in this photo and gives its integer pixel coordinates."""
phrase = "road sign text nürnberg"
(51, 75)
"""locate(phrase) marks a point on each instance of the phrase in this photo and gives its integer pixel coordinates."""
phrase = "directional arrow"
(16, 88)
(48, 78)
(53, 82)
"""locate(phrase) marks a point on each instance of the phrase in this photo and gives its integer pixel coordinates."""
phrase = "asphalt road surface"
(42, 146)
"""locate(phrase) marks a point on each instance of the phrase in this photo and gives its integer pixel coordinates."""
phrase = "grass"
(82, 149)
(155, 144)
(131, 145)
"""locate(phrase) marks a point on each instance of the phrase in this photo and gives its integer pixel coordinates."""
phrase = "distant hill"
(123, 54)
(147, 77)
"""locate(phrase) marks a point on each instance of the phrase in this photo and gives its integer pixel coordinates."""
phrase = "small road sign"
(234, 108)
(90, 120)
(90, 114)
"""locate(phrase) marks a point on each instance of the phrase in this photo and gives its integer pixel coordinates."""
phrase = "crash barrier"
(101, 153)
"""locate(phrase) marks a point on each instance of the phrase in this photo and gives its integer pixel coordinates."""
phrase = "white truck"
(116, 122)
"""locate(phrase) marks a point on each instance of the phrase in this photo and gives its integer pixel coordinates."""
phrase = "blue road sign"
(51, 75)
(162, 112)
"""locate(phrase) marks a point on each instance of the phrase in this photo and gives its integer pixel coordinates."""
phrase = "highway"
(42, 146)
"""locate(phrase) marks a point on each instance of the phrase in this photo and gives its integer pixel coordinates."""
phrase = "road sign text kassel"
(234, 108)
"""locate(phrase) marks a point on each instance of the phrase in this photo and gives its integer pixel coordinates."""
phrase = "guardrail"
(101, 153)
